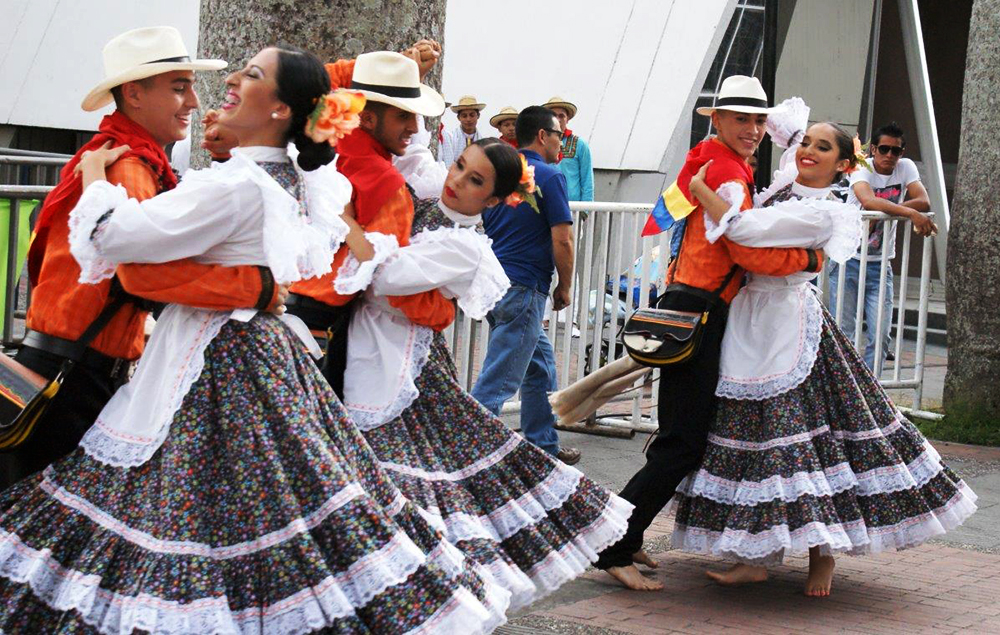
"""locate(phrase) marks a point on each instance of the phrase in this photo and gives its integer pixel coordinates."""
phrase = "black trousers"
(81, 398)
(334, 320)
(686, 408)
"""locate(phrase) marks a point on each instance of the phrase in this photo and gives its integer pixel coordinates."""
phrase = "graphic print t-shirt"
(891, 187)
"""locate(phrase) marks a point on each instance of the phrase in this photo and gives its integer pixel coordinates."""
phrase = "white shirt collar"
(460, 219)
(809, 192)
(263, 153)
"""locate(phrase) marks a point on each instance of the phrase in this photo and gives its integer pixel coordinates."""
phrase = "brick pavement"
(935, 588)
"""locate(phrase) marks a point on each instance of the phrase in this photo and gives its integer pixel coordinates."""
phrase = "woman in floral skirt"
(224, 489)
(534, 521)
(807, 453)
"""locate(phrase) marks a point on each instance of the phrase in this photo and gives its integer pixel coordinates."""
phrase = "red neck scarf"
(368, 166)
(513, 143)
(726, 166)
(120, 130)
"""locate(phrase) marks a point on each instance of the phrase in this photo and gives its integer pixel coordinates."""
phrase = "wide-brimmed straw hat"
(142, 53)
(740, 93)
(507, 112)
(559, 102)
(467, 102)
(394, 79)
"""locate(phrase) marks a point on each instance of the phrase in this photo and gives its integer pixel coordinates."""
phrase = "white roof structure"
(50, 53)
(633, 68)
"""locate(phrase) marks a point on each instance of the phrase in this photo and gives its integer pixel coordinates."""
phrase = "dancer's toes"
(739, 574)
(633, 579)
(641, 557)
(820, 578)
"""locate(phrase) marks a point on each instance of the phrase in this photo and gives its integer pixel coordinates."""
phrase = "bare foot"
(820, 574)
(641, 557)
(631, 578)
(738, 574)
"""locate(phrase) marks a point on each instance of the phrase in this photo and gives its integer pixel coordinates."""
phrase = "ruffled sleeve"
(788, 123)
(354, 275)
(732, 193)
(88, 218)
(458, 262)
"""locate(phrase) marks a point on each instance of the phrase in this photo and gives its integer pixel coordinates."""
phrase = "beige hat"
(507, 112)
(559, 102)
(394, 79)
(143, 53)
(740, 93)
(467, 102)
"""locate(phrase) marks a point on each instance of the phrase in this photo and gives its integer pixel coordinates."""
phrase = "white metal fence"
(612, 255)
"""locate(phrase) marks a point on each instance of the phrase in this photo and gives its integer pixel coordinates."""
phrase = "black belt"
(317, 315)
(82, 355)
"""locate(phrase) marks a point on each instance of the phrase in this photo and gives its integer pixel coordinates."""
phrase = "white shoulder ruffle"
(782, 178)
(489, 284)
(731, 193)
(354, 276)
(788, 123)
(92, 211)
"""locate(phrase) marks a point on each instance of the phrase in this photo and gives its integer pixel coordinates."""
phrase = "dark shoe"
(569, 456)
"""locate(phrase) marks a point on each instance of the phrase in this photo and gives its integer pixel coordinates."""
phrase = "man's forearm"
(886, 207)
(562, 252)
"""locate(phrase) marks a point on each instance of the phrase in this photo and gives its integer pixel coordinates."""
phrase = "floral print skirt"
(264, 511)
(829, 464)
(535, 522)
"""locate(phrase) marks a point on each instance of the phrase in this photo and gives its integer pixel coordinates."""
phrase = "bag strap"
(119, 298)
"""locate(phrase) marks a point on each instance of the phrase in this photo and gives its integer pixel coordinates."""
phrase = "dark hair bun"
(302, 80)
(313, 155)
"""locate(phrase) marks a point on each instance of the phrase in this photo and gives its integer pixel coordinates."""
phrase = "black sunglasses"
(886, 149)
(555, 132)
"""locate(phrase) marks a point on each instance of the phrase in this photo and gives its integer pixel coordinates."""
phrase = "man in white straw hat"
(504, 121)
(574, 160)
(455, 141)
(703, 278)
(391, 82)
(150, 78)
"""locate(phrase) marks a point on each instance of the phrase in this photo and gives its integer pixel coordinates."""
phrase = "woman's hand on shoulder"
(93, 163)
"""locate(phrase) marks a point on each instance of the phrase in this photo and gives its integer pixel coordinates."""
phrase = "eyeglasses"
(558, 133)
(886, 149)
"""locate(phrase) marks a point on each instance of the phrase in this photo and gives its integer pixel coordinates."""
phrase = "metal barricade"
(608, 247)
(26, 176)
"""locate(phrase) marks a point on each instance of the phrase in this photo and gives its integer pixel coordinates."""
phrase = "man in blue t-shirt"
(530, 245)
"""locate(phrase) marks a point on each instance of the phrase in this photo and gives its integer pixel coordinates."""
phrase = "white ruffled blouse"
(773, 332)
(386, 351)
(232, 214)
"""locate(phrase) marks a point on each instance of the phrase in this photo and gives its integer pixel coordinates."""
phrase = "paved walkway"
(950, 585)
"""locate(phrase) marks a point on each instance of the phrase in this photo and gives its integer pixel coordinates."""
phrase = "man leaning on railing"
(893, 187)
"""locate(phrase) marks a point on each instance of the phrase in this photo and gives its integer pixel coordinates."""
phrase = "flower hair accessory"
(525, 190)
(860, 157)
(335, 116)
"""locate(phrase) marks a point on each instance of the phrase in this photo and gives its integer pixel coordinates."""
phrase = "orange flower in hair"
(335, 116)
(860, 157)
(525, 190)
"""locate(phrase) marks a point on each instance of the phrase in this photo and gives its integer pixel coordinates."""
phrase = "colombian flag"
(670, 207)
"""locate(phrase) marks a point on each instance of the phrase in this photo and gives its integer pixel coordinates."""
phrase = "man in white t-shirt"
(892, 187)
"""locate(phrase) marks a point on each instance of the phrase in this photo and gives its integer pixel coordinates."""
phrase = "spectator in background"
(574, 160)
(504, 121)
(457, 140)
(530, 243)
(892, 186)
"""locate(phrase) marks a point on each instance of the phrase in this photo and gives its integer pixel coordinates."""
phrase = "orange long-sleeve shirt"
(705, 265)
(395, 217)
(63, 307)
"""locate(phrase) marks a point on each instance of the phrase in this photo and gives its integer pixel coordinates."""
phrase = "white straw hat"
(507, 112)
(468, 102)
(394, 79)
(559, 102)
(143, 53)
(740, 94)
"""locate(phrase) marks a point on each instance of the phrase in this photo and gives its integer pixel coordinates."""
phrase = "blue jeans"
(519, 356)
(871, 304)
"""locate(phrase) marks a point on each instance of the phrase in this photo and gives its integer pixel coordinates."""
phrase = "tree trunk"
(235, 30)
(972, 386)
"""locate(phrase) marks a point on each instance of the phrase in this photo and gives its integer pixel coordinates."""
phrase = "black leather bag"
(661, 337)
